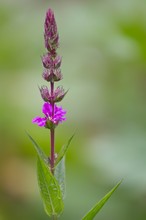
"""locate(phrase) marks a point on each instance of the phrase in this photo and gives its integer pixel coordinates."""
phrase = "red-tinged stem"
(52, 92)
(52, 134)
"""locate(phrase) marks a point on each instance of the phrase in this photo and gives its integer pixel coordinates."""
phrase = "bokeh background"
(103, 45)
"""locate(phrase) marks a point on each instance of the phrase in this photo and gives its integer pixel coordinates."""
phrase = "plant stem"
(54, 217)
(52, 93)
(52, 134)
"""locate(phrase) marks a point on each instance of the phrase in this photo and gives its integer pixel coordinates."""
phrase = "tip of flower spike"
(50, 14)
(51, 35)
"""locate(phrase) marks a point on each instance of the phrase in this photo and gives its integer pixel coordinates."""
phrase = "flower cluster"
(51, 62)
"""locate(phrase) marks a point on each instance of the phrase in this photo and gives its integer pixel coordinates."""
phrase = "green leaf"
(39, 151)
(92, 213)
(63, 150)
(60, 175)
(49, 189)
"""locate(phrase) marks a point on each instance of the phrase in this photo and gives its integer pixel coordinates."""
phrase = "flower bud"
(57, 61)
(46, 96)
(57, 75)
(51, 35)
(47, 61)
(52, 75)
(59, 94)
(48, 75)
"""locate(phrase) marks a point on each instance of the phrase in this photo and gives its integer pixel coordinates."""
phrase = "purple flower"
(50, 118)
(51, 35)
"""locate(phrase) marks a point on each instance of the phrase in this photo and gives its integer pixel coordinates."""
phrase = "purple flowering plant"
(51, 170)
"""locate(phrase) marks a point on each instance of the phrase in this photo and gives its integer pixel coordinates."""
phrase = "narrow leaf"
(39, 151)
(63, 150)
(49, 189)
(60, 175)
(92, 213)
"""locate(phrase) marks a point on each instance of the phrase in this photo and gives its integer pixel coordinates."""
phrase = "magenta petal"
(47, 109)
(40, 121)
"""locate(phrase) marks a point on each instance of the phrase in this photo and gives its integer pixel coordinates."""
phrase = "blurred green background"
(103, 45)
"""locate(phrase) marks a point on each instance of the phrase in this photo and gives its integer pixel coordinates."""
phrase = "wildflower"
(52, 118)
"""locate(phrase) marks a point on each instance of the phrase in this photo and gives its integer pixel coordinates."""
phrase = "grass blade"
(93, 212)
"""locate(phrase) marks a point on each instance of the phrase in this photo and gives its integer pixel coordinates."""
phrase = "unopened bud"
(51, 35)
(46, 96)
(47, 61)
(57, 61)
(52, 75)
(57, 75)
(59, 94)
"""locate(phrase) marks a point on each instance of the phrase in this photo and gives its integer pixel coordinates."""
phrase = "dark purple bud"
(46, 96)
(59, 94)
(47, 61)
(51, 35)
(52, 75)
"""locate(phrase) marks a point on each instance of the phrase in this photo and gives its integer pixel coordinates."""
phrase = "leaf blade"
(93, 212)
(37, 148)
(63, 150)
(60, 176)
(49, 190)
